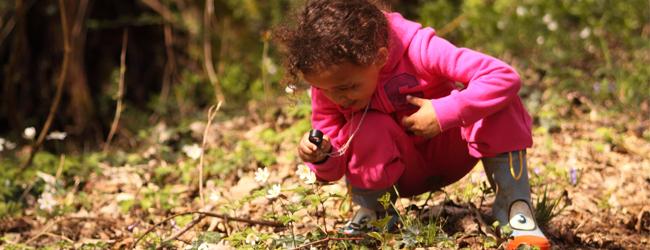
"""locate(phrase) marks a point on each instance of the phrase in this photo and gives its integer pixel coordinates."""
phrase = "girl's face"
(348, 85)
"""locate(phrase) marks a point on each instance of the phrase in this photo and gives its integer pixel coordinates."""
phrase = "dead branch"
(207, 52)
(452, 25)
(49, 225)
(212, 112)
(6, 30)
(185, 229)
(161, 9)
(120, 91)
(325, 241)
(59, 88)
(209, 214)
(170, 63)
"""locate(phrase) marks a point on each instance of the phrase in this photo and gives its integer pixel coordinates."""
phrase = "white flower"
(153, 187)
(193, 151)
(552, 26)
(6, 144)
(290, 89)
(586, 32)
(208, 246)
(296, 198)
(310, 178)
(49, 179)
(124, 197)
(270, 66)
(303, 171)
(521, 10)
(501, 24)
(274, 192)
(305, 174)
(262, 175)
(252, 239)
(540, 40)
(214, 197)
(547, 18)
(29, 133)
(56, 135)
(47, 202)
(10, 145)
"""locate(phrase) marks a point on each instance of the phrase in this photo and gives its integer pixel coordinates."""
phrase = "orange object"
(530, 240)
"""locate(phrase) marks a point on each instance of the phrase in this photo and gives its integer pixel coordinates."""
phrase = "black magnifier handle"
(316, 137)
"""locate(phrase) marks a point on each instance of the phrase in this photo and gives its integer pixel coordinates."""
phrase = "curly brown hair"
(330, 32)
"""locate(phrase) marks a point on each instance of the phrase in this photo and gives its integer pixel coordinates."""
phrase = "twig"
(207, 51)
(6, 30)
(425, 204)
(452, 25)
(120, 91)
(170, 63)
(322, 203)
(185, 229)
(480, 221)
(326, 240)
(265, 57)
(49, 225)
(212, 112)
(60, 236)
(209, 214)
(479, 218)
(161, 9)
(59, 88)
(59, 170)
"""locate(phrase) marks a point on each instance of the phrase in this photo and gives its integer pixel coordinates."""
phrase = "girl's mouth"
(349, 104)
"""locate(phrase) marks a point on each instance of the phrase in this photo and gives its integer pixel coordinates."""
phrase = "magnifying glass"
(316, 137)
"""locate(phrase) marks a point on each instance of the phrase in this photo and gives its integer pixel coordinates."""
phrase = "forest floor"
(597, 165)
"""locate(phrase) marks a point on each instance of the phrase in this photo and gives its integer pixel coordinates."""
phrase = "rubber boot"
(508, 176)
(370, 210)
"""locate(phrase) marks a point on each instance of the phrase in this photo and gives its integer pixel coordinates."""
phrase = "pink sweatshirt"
(424, 65)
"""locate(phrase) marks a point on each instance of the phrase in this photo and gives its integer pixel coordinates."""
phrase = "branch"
(452, 25)
(207, 51)
(185, 229)
(59, 88)
(212, 112)
(209, 214)
(120, 91)
(49, 225)
(325, 241)
(161, 9)
(170, 63)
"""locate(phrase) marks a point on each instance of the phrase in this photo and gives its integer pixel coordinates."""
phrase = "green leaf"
(376, 235)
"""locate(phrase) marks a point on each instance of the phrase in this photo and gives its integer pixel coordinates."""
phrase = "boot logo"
(521, 222)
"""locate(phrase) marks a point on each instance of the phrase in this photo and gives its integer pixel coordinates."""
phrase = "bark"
(15, 72)
(80, 106)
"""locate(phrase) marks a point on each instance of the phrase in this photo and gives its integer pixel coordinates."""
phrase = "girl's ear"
(382, 57)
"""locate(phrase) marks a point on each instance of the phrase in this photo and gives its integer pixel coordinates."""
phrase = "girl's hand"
(424, 122)
(308, 152)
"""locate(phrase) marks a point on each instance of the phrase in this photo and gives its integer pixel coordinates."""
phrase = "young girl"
(400, 106)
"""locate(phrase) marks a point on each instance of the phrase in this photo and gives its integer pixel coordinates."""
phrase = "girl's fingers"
(306, 149)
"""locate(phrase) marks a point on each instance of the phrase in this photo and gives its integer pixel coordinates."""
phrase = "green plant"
(546, 208)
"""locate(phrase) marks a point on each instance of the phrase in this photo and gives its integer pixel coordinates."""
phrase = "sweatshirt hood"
(400, 33)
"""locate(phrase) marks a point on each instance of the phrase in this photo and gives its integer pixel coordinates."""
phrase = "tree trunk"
(15, 71)
(80, 107)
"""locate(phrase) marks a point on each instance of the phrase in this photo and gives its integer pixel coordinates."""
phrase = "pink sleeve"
(327, 118)
(491, 84)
